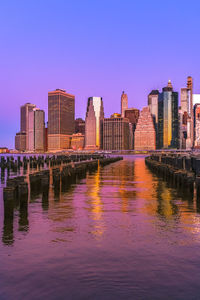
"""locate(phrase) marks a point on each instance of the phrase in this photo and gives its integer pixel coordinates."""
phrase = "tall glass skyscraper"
(93, 123)
(168, 128)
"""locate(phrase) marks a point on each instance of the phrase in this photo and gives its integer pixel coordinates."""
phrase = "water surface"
(120, 233)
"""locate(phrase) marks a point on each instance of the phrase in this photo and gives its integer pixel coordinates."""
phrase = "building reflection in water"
(23, 215)
(158, 198)
(8, 237)
(45, 200)
(94, 203)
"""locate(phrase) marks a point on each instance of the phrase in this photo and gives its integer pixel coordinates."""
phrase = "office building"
(145, 133)
(132, 114)
(20, 141)
(153, 108)
(116, 134)
(93, 123)
(153, 104)
(124, 104)
(187, 110)
(168, 127)
(36, 132)
(77, 141)
(24, 123)
(61, 111)
(80, 126)
(197, 126)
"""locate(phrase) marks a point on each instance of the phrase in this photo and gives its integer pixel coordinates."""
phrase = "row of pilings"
(181, 171)
(14, 164)
(18, 189)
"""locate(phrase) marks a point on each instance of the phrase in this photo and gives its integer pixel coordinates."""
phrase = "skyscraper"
(132, 114)
(80, 126)
(93, 123)
(168, 118)
(20, 141)
(124, 103)
(145, 133)
(197, 126)
(153, 108)
(153, 104)
(187, 111)
(36, 131)
(116, 133)
(61, 111)
(24, 123)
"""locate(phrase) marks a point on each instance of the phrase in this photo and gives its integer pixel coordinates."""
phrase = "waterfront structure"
(80, 126)
(36, 132)
(20, 141)
(168, 128)
(197, 125)
(145, 133)
(24, 123)
(132, 114)
(124, 104)
(61, 111)
(93, 123)
(116, 134)
(77, 141)
(4, 150)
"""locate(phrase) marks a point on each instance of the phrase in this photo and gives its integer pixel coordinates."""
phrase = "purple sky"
(93, 48)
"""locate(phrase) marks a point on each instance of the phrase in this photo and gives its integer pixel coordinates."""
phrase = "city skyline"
(130, 53)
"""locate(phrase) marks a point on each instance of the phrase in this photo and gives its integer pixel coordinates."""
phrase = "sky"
(93, 48)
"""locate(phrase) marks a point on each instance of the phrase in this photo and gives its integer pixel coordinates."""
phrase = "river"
(120, 233)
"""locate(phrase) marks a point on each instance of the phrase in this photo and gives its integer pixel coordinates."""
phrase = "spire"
(169, 84)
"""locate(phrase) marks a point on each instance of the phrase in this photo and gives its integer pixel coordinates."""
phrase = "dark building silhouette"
(80, 126)
(132, 114)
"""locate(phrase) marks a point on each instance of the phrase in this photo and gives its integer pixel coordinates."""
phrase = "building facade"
(124, 104)
(197, 126)
(187, 115)
(77, 141)
(93, 123)
(80, 126)
(24, 120)
(61, 112)
(36, 131)
(116, 134)
(168, 126)
(145, 133)
(132, 114)
(20, 141)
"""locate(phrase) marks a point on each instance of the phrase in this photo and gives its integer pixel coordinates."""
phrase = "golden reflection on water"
(95, 203)
(158, 197)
